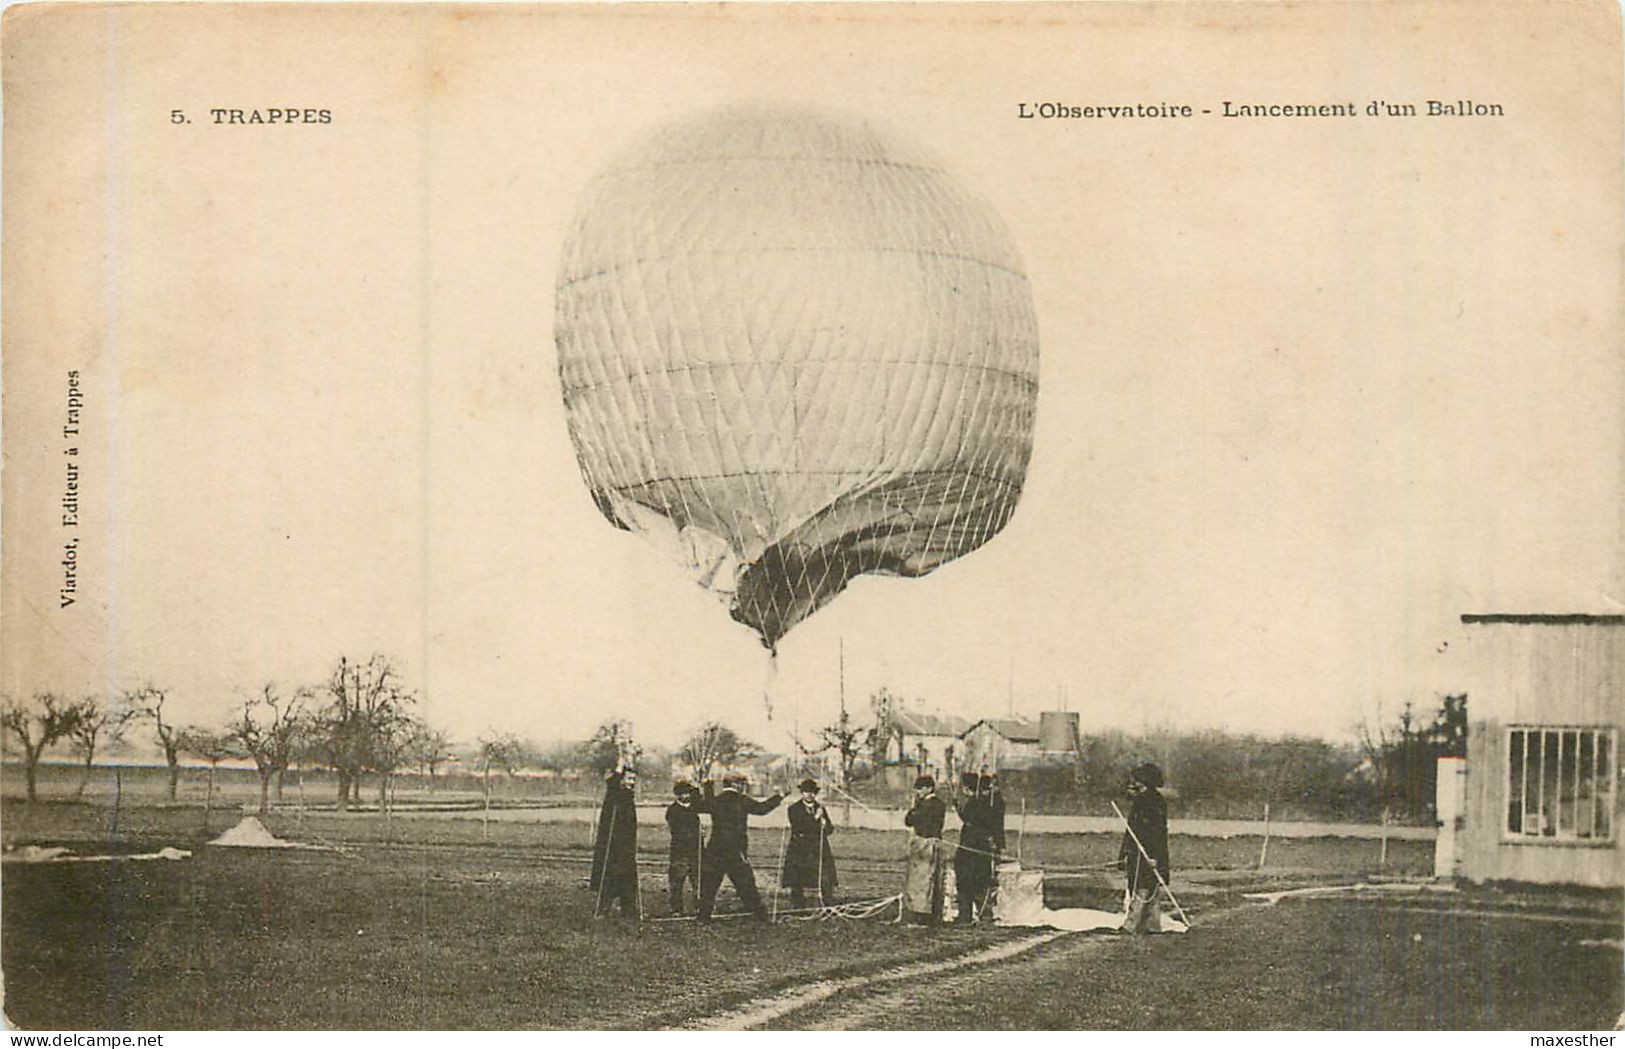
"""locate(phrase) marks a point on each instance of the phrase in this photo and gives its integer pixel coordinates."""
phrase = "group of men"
(809, 862)
(980, 807)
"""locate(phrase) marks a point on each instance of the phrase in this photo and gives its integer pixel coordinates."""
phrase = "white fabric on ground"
(1021, 905)
(59, 854)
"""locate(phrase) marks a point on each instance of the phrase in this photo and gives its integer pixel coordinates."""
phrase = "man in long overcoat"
(615, 847)
(809, 863)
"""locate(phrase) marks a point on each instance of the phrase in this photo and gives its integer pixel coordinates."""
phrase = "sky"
(1309, 390)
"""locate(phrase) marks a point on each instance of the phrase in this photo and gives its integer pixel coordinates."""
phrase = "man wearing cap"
(724, 851)
(981, 836)
(922, 887)
(1144, 853)
(809, 862)
(684, 862)
(614, 875)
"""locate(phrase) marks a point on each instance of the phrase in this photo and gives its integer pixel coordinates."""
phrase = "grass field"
(1329, 964)
(449, 925)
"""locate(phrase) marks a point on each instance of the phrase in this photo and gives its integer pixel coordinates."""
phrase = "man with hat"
(981, 837)
(1144, 853)
(724, 851)
(809, 862)
(683, 864)
(922, 887)
(614, 876)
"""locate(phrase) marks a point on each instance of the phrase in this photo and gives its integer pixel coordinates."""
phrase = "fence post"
(1021, 831)
(1264, 853)
(1382, 856)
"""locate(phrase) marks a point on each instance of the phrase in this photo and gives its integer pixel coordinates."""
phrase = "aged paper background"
(1309, 387)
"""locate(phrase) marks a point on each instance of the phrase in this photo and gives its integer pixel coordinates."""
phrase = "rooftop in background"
(917, 724)
(1543, 617)
(1016, 730)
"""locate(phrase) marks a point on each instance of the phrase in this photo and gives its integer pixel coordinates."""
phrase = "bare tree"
(714, 743)
(504, 752)
(97, 722)
(147, 703)
(391, 748)
(849, 741)
(37, 723)
(267, 729)
(430, 748)
(365, 703)
(214, 747)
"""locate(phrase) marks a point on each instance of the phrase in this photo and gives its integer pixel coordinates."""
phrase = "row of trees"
(361, 720)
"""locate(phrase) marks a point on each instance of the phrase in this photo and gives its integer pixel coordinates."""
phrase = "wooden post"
(118, 794)
(208, 800)
(1021, 831)
(1382, 856)
(1264, 853)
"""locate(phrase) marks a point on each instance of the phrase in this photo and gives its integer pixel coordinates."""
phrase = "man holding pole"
(1145, 850)
(981, 838)
(614, 875)
(809, 863)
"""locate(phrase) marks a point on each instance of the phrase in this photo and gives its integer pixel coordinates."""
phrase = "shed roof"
(1547, 618)
(1016, 730)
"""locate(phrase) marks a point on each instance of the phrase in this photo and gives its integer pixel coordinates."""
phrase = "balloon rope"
(770, 681)
(820, 815)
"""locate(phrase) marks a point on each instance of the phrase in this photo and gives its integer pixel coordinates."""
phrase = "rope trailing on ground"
(857, 910)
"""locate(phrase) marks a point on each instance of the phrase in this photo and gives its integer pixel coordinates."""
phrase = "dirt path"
(866, 1001)
(771, 1009)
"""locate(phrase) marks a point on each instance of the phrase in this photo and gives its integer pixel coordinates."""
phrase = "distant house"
(930, 742)
(1000, 743)
(1537, 798)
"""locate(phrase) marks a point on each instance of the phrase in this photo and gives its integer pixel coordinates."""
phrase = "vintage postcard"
(920, 516)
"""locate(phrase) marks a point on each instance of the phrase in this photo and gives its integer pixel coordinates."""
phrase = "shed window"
(1561, 783)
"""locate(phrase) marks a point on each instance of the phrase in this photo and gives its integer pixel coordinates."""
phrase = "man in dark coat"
(615, 848)
(809, 863)
(683, 864)
(980, 838)
(725, 849)
(922, 887)
(1144, 852)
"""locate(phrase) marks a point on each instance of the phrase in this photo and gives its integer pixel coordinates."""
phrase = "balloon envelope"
(793, 352)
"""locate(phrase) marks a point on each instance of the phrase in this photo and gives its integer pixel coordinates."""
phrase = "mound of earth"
(250, 833)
